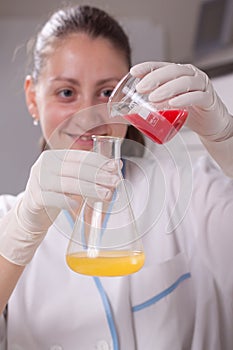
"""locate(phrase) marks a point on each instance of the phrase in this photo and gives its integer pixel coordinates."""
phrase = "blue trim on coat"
(161, 295)
(108, 312)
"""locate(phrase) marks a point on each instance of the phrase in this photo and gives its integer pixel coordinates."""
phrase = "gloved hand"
(184, 85)
(55, 180)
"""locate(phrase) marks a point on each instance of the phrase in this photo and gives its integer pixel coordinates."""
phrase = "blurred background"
(182, 31)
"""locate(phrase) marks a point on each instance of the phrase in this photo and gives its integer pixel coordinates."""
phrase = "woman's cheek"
(50, 121)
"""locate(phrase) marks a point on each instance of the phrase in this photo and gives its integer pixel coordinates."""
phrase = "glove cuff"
(213, 124)
(221, 152)
(17, 244)
(225, 121)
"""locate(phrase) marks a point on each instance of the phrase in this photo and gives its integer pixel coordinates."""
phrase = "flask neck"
(108, 146)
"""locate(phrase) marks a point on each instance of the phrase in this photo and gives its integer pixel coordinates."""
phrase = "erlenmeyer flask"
(105, 240)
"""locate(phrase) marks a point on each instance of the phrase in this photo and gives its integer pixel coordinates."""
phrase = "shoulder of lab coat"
(7, 201)
(211, 210)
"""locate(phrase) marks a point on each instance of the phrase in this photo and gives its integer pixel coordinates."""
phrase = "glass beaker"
(158, 121)
(105, 239)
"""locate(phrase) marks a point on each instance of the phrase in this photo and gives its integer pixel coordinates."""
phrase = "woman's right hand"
(57, 177)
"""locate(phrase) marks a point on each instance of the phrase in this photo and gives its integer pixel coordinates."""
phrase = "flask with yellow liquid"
(105, 240)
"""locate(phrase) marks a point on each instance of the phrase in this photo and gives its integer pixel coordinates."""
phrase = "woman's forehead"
(83, 55)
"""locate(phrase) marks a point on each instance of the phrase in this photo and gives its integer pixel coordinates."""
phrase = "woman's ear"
(30, 95)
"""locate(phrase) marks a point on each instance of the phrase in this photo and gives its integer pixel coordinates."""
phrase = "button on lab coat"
(181, 299)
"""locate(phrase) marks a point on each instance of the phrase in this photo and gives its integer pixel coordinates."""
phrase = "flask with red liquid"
(159, 122)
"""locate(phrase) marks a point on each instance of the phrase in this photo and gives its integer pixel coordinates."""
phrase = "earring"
(35, 121)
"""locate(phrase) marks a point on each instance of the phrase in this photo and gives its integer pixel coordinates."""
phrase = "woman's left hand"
(185, 86)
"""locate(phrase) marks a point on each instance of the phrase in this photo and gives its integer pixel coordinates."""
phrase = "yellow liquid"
(107, 263)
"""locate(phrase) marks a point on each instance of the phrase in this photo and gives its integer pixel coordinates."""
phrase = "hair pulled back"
(78, 19)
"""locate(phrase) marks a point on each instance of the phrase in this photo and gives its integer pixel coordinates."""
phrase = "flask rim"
(106, 137)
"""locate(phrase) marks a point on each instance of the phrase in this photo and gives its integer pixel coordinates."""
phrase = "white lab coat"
(182, 299)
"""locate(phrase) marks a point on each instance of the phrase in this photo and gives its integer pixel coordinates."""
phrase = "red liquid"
(160, 126)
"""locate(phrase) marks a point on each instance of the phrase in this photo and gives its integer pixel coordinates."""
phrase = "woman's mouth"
(85, 140)
(85, 137)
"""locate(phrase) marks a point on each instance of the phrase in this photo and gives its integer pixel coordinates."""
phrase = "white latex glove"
(184, 85)
(55, 179)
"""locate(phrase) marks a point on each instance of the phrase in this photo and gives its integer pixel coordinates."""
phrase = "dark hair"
(78, 19)
(90, 20)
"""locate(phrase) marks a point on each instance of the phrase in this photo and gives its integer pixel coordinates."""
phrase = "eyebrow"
(76, 82)
(107, 80)
(70, 80)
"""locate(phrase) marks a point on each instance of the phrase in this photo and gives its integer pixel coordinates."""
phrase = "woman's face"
(78, 74)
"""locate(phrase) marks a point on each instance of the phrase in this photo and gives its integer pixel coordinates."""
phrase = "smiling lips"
(84, 141)
(84, 137)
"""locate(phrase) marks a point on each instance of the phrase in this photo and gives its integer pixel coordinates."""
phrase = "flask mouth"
(106, 137)
(117, 92)
(109, 146)
(116, 102)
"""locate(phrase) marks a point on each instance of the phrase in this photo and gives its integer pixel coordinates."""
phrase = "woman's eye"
(66, 93)
(106, 93)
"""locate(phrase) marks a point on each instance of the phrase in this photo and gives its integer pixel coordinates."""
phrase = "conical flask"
(105, 239)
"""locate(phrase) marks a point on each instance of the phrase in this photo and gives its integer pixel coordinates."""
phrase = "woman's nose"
(91, 115)
(86, 101)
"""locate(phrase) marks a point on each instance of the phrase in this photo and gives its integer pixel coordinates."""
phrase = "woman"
(178, 299)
